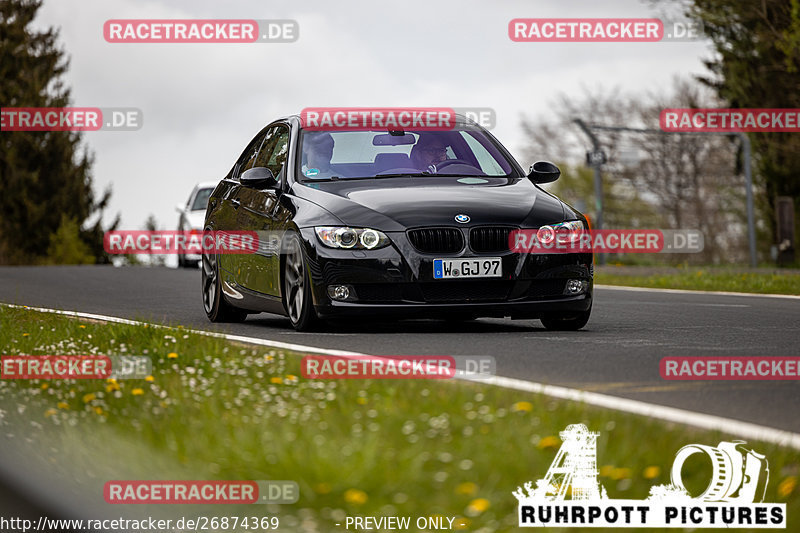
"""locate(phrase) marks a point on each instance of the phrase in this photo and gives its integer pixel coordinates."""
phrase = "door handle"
(236, 203)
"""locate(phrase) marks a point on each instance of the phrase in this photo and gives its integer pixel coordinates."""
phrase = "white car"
(192, 216)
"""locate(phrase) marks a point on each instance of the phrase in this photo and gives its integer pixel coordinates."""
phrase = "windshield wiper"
(378, 176)
(403, 175)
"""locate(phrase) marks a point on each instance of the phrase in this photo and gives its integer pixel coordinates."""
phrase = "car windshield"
(201, 199)
(331, 155)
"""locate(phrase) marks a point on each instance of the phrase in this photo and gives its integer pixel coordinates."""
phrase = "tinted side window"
(276, 147)
(266, 148)
(248, 158)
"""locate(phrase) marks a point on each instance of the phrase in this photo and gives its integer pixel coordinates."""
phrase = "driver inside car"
(318, 151)
(427, 152)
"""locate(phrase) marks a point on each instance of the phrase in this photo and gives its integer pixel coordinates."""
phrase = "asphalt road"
(617, 353)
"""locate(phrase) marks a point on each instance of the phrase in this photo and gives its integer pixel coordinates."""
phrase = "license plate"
(483, 267)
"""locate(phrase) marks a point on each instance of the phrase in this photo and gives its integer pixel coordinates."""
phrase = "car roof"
(206, 185)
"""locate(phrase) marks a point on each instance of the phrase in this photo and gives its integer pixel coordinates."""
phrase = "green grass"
(218, 410)
(702, 279)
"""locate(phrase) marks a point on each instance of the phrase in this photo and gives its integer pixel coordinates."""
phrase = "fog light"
(575, 286)
(339, 292)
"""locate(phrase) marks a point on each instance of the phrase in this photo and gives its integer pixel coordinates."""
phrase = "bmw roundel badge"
(463, 219)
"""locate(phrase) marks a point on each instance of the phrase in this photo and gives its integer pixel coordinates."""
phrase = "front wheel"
(297, 288)
(217, 309)
(570, 323)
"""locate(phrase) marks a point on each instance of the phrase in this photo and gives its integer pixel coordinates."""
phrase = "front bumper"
(398, 281)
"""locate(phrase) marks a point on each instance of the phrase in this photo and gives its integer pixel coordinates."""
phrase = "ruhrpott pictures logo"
(570, 494)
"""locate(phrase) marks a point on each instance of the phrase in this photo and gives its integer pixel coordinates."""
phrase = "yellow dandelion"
(549, 442)
(467, 488)
(478, 506)
(89, 397)
(172, 355)
(787, 486)
(269, 358)
(651, 472)
(111, 380)
(50, 412)
(149, 379)
(291, 377)
(526, 407)
(606, 470)
(82, 326)
(45, 386)
(355, 497)
(361, 400)
(112, 387)
(98, 410)
(275, 380)
(26, 334)
(137, 392)
(63, 405)
(322, 488)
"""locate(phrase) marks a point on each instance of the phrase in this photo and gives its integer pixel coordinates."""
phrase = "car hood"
(397, 204)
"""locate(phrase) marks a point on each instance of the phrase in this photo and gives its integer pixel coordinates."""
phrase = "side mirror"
(543, 172)
(179, 208)
(258, 178)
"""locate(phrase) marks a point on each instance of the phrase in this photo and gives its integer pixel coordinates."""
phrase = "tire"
(297, 287)
(572, 323)
(216, 307)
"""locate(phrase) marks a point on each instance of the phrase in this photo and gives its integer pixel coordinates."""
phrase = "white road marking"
(735, 428)
(679, 304)
(686, 291)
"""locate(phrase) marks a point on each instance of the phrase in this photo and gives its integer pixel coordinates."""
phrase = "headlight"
(565, 232)
(351, 238)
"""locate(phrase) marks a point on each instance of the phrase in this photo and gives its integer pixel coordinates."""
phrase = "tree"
(558, 139)
(44, 176)
(651, 180)
(66, 246)
(151, 225)
(757, 65)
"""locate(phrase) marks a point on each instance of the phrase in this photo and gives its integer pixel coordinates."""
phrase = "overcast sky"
(203, 102)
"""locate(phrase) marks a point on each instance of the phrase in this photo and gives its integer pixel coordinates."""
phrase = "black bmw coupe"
(371, 223)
